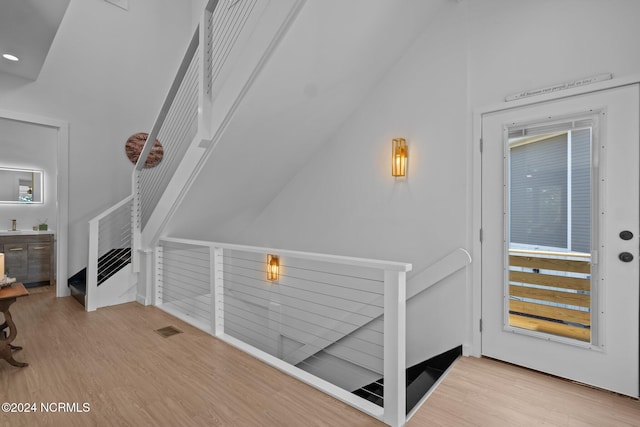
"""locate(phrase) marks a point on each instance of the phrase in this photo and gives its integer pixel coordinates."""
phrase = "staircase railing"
(109, 247)
(227, 50)
(224, 289)
(185, 117)
(175, 128)
(356, 328)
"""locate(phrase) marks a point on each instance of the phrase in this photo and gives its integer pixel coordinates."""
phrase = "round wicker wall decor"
(133, 148)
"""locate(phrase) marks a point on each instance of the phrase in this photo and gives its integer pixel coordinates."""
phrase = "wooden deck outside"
(538, 301)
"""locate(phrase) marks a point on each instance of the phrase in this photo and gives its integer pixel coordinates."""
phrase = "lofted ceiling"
(333, 55)
(27, 30)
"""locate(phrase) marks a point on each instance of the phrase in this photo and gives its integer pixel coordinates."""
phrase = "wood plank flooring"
(131, 376)
(486, 392)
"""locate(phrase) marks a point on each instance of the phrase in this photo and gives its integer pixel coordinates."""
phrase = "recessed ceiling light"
(10, 57)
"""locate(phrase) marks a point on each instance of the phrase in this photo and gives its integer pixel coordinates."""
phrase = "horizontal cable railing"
(185, 116)
(178, 122)
(300, 321)
(225, 25)
(187, 270)
(175, 129)
(110, 239)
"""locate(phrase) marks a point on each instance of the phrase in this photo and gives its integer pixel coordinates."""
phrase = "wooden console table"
(8, 296)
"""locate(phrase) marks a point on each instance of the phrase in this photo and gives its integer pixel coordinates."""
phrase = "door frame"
(474, 348)
(62, 189)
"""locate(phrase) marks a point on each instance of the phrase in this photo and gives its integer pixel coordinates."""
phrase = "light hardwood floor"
(130, 376)
(486, 392)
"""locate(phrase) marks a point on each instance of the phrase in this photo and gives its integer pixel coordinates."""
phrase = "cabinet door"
(16, 260)
(39, 255)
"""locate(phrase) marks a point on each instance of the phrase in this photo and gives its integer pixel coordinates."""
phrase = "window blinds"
(550, 186)
(538, 193)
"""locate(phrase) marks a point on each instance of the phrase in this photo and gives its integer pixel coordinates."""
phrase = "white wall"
(326, 64)
(526, 44)
(197, 9)
(474, 53)
(107, 73)
(345, 201)
(30, 146)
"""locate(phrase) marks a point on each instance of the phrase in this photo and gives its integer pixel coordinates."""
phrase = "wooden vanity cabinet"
(29, 258)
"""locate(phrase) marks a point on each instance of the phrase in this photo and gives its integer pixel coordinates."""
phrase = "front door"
(560, 226)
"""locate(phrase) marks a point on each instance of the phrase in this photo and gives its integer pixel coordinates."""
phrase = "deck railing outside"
(550, 292)
(337, 323)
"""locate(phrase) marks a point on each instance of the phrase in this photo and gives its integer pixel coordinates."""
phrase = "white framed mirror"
(21, 186)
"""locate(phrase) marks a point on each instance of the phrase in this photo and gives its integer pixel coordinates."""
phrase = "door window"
(549, 187)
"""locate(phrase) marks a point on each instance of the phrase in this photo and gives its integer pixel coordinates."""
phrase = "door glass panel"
(549, 209)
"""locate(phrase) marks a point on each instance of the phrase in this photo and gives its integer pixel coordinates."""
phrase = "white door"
(560, 227)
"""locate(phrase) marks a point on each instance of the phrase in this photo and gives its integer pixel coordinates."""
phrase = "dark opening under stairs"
(108, 265)
(420, 379)
(78, 285)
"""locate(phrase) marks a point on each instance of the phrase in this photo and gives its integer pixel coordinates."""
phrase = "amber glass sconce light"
(399, 156)
(273, 267)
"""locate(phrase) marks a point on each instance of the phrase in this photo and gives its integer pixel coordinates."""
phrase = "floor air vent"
(168, 331)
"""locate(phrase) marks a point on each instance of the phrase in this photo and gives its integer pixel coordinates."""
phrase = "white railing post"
(217, 291)
(91, 291)
(158, 276)
(395, 320)
(148, 276)
(205, 80)
(135, 222)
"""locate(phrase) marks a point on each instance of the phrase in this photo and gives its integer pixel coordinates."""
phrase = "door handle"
(625, 257)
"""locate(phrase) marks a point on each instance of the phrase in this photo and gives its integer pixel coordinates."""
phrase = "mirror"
(21, 186)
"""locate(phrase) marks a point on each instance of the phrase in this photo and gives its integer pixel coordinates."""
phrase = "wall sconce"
(399, 157)
(273, 267)
(1, 267)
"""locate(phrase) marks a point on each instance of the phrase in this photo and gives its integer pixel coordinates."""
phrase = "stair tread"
(420, 378)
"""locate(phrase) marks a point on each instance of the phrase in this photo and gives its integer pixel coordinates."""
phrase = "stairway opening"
(420, 379)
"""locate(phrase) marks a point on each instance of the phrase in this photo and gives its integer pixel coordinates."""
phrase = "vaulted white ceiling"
(332, 56)
(27, 30)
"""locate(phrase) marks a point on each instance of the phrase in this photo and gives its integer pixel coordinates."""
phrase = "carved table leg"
(5, 353)
(4, 336)
(5, 344)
